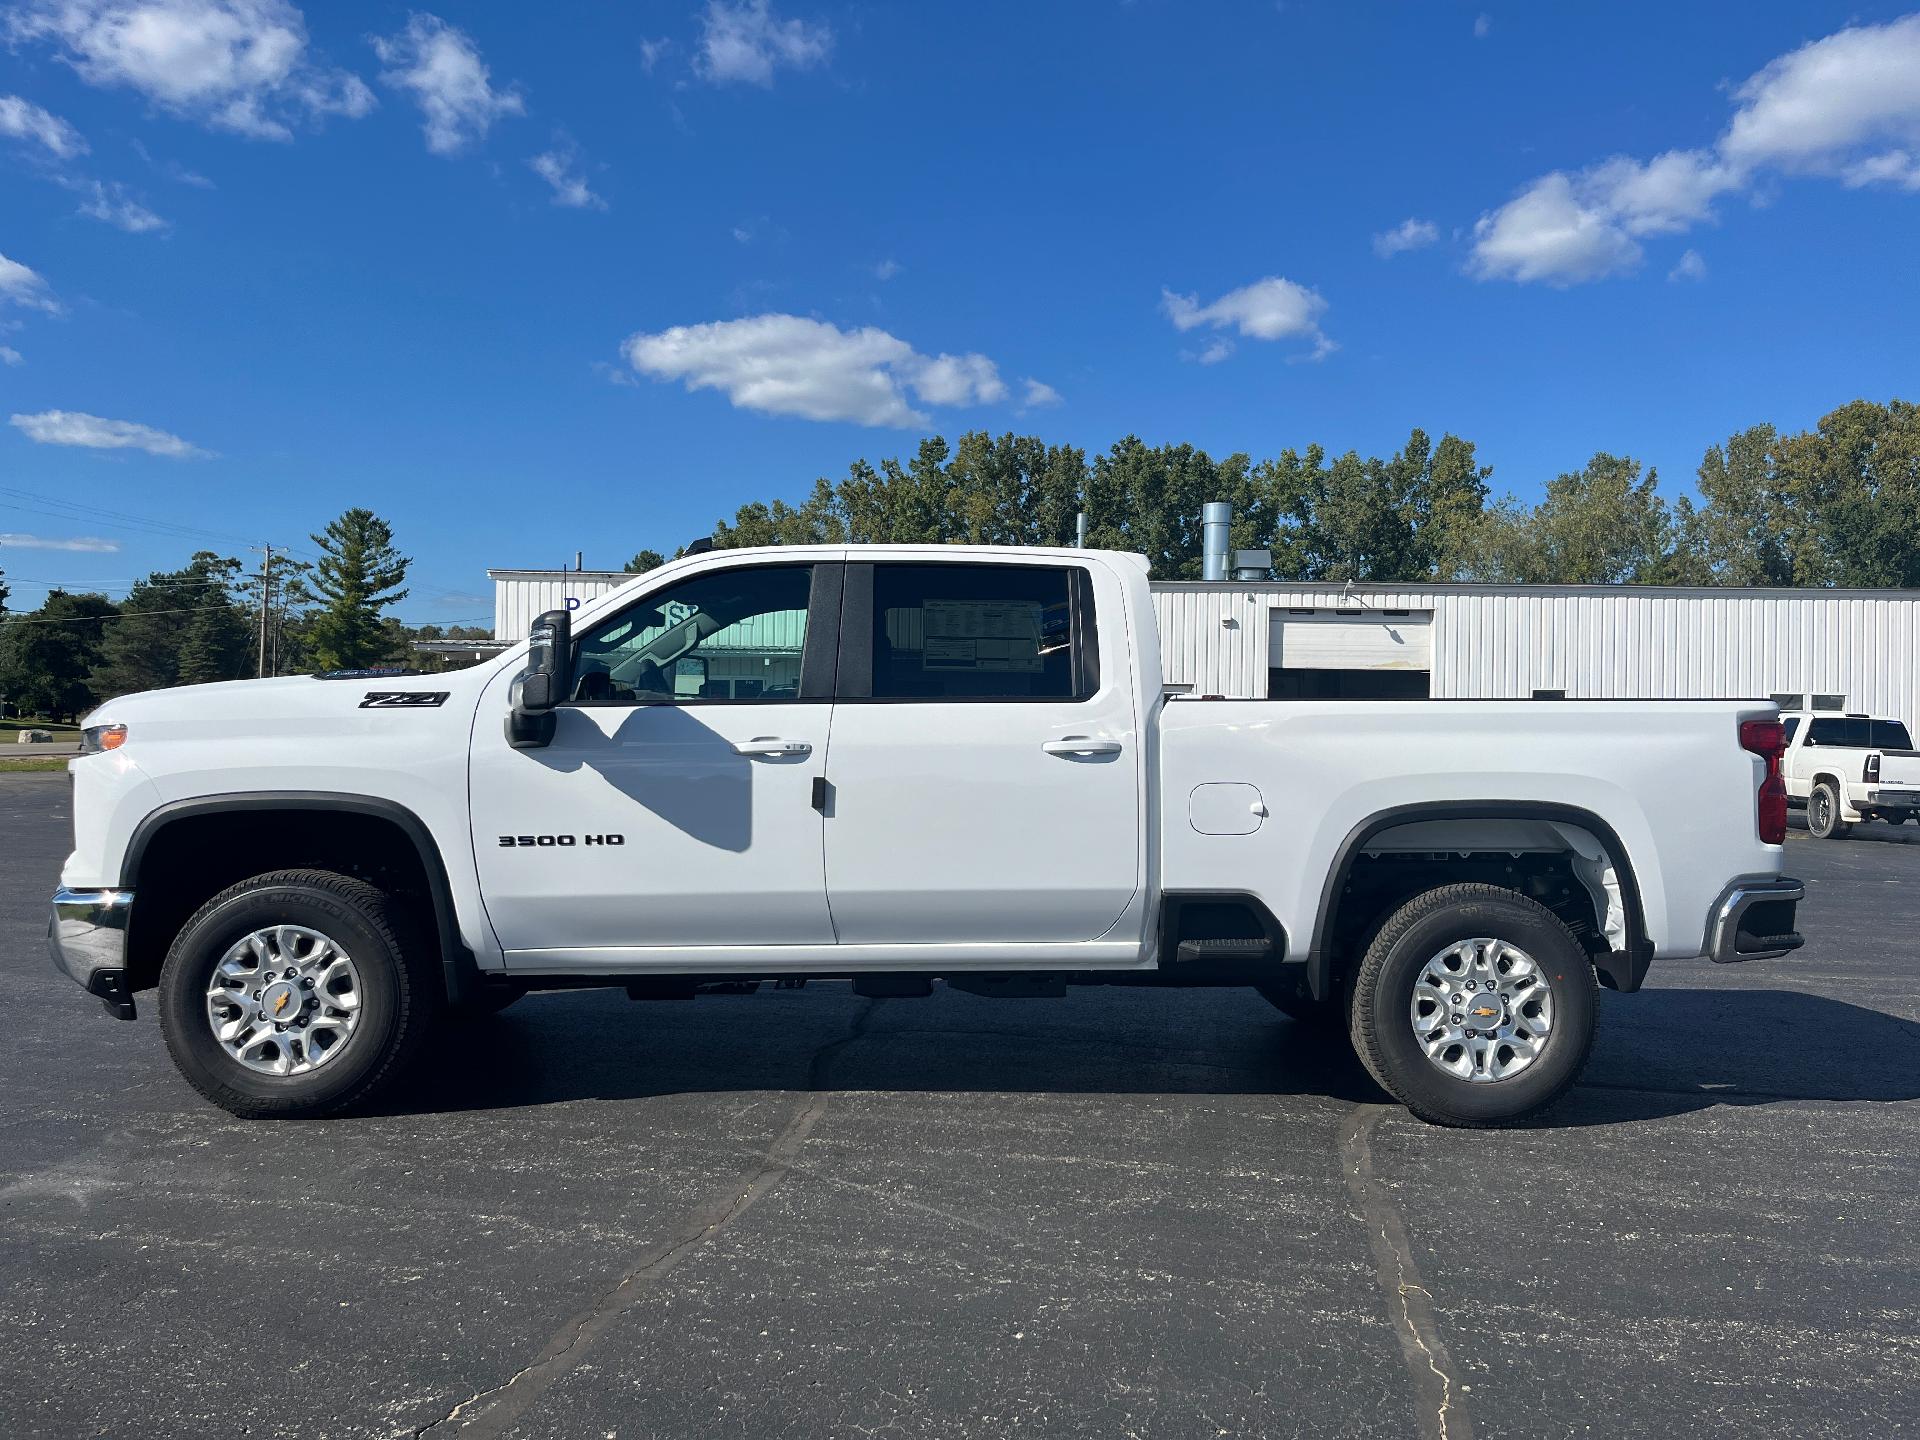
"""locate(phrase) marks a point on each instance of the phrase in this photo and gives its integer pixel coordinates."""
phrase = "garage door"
(1354, 640)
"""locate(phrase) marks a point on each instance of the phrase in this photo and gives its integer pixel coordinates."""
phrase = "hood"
(280, 699)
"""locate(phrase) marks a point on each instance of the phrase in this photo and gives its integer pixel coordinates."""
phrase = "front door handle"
(1081, 745)
(772, 745)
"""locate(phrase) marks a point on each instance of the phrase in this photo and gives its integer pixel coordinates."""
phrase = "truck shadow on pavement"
(1669, 1051)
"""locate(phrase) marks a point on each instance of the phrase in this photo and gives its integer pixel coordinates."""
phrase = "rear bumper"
(1754, 920)
(1902, 799)
(88, 937)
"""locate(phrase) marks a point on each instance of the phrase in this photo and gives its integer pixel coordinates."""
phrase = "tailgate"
(1900, 769)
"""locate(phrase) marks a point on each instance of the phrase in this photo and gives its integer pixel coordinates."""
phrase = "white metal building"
(1259, 639)
(1580, 642)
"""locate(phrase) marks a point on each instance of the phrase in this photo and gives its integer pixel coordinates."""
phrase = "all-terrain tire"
(1381, 999)
(1823, 813)
(401, 992)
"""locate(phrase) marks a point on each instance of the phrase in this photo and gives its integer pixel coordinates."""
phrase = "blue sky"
(536, 279)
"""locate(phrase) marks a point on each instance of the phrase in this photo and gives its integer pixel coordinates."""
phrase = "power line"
(102, 619)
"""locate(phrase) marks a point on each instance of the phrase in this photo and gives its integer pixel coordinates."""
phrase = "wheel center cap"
(280, 1003)
(1484, 1011)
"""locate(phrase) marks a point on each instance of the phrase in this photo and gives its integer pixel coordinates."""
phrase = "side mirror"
(547, 681)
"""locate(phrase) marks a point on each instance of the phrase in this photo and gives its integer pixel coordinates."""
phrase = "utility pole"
(266, 584)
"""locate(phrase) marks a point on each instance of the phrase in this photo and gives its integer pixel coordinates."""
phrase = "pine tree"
(359, 574)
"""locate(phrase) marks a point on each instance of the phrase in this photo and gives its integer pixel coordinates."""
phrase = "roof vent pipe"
(1216, 524)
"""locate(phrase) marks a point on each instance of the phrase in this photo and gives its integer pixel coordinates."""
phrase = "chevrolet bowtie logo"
(286, 999)
(1485, 1010)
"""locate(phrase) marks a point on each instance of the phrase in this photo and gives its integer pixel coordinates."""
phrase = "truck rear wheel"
(1474, 1006)
(297, 993)
(1823, 813)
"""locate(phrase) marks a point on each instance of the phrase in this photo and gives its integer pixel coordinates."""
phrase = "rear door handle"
(1081, 745)
(771, 745)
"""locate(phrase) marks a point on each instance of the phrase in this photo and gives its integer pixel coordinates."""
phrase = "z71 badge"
(403, 699)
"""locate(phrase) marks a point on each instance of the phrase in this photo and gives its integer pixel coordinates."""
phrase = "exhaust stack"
(1216, 525)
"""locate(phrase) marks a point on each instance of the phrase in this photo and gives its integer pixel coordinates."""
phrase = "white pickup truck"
(890, 765)
(1848, 768)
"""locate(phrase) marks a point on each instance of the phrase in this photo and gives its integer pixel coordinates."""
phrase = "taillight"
(1768, 740)
(1870, 772)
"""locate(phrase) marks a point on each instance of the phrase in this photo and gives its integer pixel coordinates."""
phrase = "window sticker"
(997, 635)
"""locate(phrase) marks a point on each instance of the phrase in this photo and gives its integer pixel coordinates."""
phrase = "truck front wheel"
(1473, 1006)
(297, 993)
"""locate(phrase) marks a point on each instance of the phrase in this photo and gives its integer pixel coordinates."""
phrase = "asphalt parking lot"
(1125, 1213)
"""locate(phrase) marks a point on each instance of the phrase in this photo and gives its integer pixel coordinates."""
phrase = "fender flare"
(1621, 969)
(461, 972)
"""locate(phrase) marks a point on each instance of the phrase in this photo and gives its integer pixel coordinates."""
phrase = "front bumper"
(88, 938)
(1754, 921)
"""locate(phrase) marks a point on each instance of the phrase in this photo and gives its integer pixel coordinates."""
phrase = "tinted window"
(1827, 732)
(1857, 732)
(1793, 728)
(973, 632)
(727, 635)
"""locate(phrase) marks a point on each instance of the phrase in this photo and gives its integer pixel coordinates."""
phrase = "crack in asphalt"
(492, 1412)
(1441, 1414)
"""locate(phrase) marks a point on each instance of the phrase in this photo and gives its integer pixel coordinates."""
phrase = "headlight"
(96, 738)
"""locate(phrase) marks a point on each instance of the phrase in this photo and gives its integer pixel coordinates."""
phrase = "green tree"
(4, 592)
(1604, 524)
(643, 562)
(360, 573)
(47, 656)
(1857, 478)
(146, 648)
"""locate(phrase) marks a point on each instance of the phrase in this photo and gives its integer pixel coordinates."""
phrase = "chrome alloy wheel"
(284, 1000)
(1482, 1010)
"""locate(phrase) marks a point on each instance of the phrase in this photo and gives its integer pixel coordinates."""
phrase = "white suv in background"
(1848, 768)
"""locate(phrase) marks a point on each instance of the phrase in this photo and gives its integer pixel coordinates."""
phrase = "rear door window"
(977, 632)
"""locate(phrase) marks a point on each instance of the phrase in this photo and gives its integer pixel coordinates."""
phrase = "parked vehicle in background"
(1846, 768)
(891, 765)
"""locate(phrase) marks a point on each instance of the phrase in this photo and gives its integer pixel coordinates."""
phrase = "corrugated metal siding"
(517, 599)
(1597, 643)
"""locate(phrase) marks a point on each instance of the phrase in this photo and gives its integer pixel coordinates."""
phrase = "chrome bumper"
(88, 938)
(1754, 921)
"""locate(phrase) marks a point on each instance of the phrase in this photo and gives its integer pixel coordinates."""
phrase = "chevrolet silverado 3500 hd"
(892, 764)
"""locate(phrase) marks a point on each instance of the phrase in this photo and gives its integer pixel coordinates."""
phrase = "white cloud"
(1040, 395)
(439, 65)
(651, 51)
(792, 365)
(1409, 234)
(23, 120)
(884, 270)
(24, 287)
(1846, 107)
(1482, 25)
(1269, 309)
(238, 65)
(86, 544)
(1218, 349)
(71, 427)
(110, 203)
(1547, 233)
(746, 42)
(11, 356)
(555, 166)
(1690, 267)
(954, 379)
(1818, 108)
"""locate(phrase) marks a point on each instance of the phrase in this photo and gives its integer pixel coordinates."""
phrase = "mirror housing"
(546, 682)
